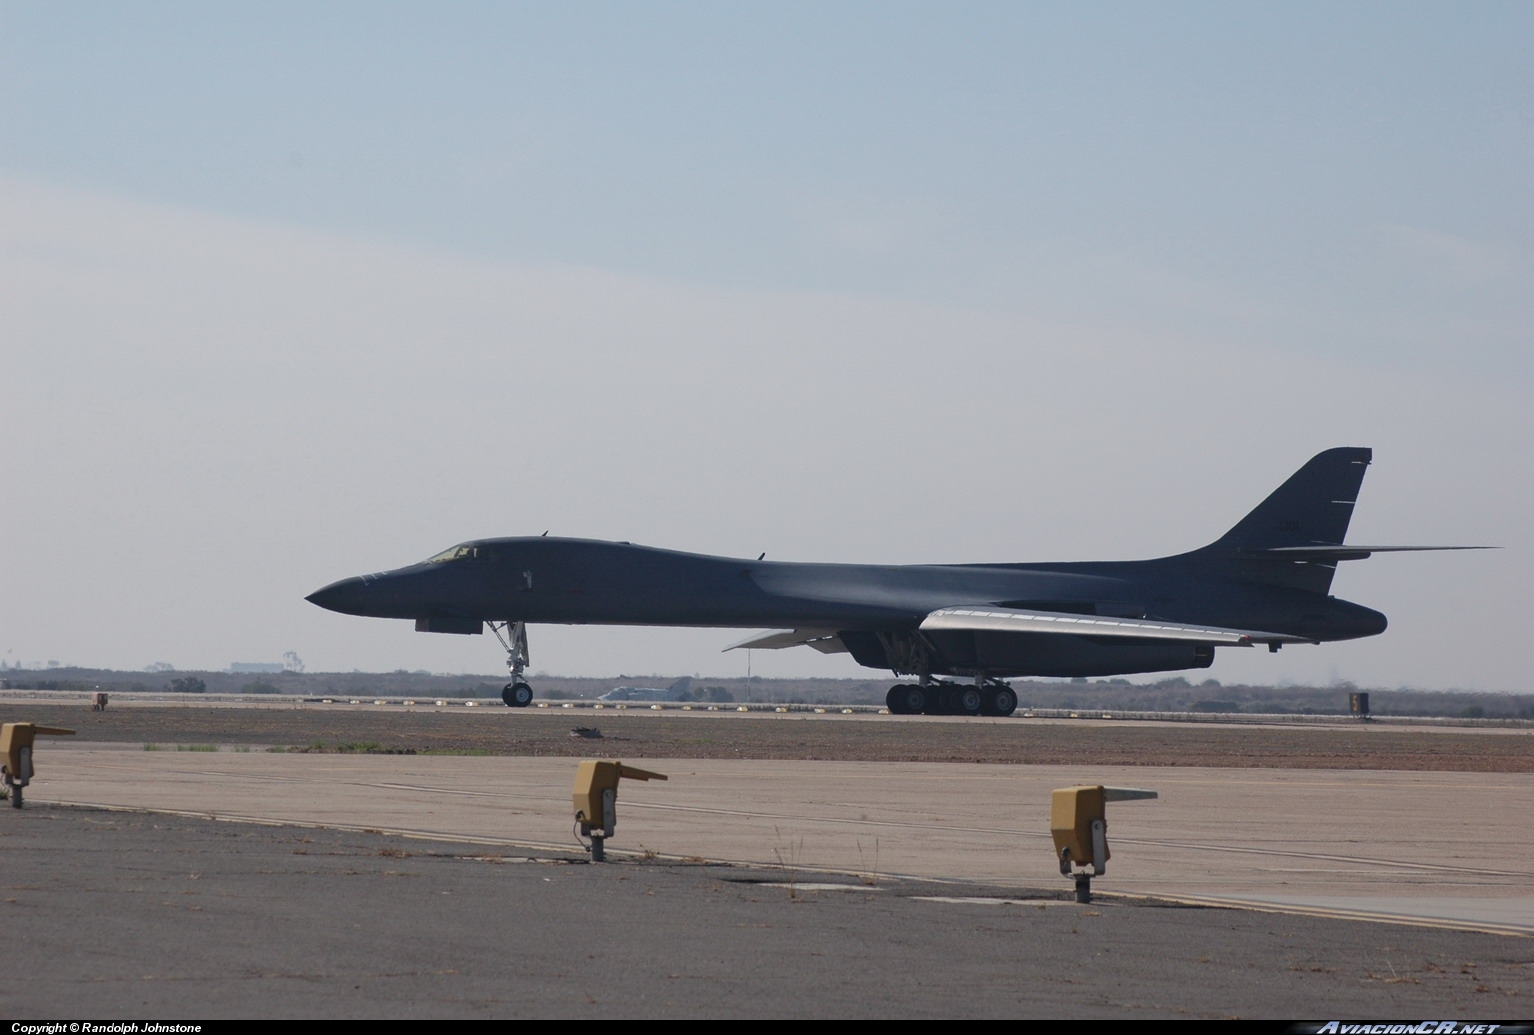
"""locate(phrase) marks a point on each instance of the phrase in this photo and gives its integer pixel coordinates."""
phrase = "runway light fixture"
(16, 747)
(595, 798)
(1078, 822)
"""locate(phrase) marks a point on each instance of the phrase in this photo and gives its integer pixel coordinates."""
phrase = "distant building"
(242, 668)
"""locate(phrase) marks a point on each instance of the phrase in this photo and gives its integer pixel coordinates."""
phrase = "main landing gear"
(513, 636)
(983, 697)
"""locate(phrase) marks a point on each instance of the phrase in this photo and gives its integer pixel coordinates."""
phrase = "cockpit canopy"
(461, 552)
(480, 551)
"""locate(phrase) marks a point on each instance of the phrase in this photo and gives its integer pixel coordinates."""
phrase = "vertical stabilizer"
(1312, 508)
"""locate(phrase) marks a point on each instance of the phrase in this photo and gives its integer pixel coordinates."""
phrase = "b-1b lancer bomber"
(1266, 581)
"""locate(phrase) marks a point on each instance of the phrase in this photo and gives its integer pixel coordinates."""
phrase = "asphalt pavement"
(137, 916)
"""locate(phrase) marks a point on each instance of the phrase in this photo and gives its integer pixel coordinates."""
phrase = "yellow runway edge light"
(1078, 822)
(595, 798)
(16, 748)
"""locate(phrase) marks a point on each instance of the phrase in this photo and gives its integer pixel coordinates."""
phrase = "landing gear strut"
(513, 636)
(984, 697)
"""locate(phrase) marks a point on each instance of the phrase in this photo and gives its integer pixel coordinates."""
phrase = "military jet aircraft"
(1266, 581)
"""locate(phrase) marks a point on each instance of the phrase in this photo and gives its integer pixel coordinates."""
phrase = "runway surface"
(140, 917)
(934, 859)
(1455, 847)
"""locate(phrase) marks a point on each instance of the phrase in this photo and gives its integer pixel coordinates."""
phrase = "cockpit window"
(456, 553)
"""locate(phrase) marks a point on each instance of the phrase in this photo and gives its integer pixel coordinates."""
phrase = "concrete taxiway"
(177, 884)
(1451, 849)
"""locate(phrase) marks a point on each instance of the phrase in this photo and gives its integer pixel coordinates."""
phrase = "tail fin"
(1312, 508)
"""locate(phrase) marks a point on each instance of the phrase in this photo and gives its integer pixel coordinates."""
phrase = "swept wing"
(1015, 620)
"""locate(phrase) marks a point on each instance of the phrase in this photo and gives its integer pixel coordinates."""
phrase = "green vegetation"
(187, 685)
(260, 686)
(356, 747)
(196, 747)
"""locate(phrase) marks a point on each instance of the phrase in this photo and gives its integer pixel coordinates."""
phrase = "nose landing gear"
(513, 636)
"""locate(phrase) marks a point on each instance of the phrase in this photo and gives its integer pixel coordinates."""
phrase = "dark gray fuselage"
(579, 581)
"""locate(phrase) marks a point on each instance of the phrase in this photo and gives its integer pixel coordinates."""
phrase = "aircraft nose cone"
(347, 596)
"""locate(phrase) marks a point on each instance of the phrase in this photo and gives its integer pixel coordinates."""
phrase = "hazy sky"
(291, 292)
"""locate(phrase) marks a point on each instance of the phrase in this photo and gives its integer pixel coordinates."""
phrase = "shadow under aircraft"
(1266, 581)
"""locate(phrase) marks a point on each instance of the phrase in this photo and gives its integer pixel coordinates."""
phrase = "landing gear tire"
(1001, 701)
(969, 700)
(517, 695)
(906, 699)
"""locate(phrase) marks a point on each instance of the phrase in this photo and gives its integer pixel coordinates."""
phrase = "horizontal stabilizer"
(1345, 553)
(824, 640)
(1004, 619)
